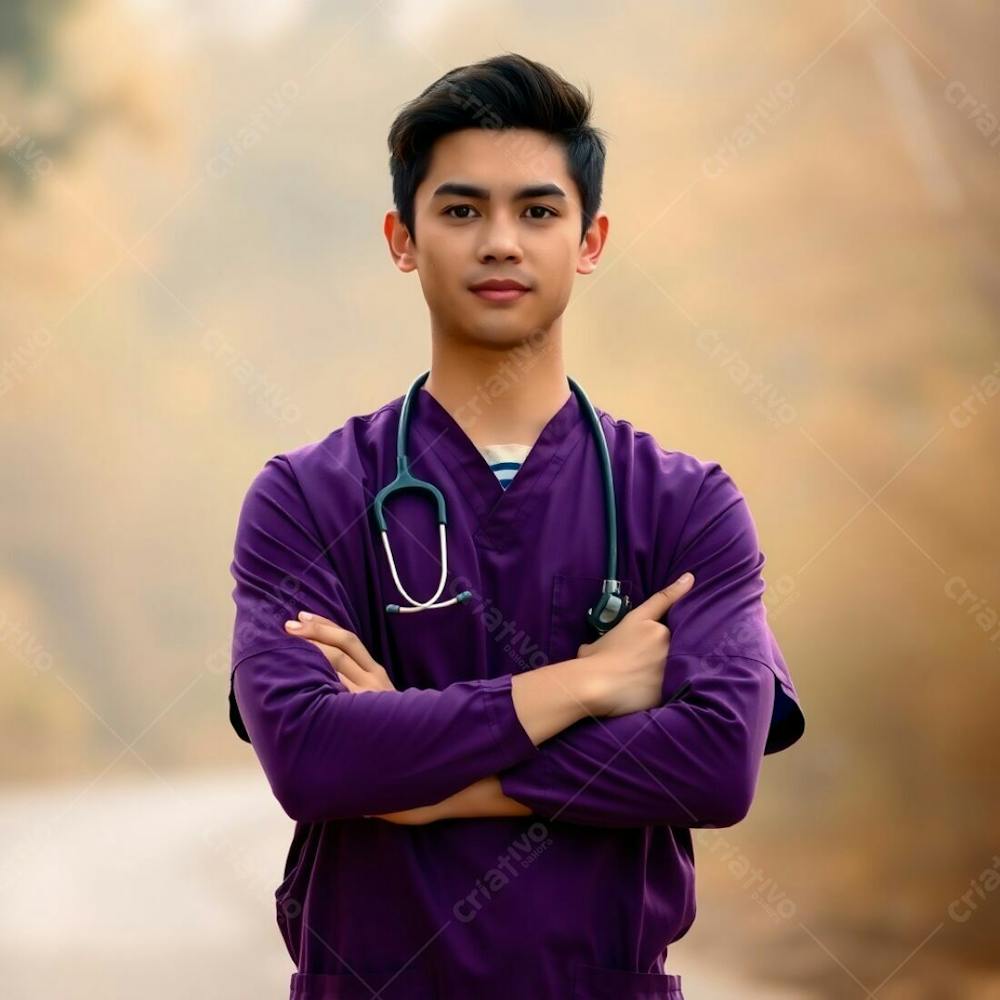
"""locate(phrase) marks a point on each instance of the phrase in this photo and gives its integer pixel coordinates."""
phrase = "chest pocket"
(568, 626)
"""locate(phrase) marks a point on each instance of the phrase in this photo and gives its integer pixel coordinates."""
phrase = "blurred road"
(163, 889)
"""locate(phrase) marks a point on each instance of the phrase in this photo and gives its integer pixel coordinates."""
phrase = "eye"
(452, 208)
(552, 213)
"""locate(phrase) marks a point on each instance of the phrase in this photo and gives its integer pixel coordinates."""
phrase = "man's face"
(503, 230)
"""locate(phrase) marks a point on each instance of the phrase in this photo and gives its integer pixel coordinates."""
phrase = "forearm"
(692, 763)
(550, 698)
(331, 754)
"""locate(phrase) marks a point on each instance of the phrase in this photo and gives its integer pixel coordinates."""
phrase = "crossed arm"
(619, 771)
(359, 671)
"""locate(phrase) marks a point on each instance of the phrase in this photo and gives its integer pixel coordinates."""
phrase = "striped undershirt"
(505, 460)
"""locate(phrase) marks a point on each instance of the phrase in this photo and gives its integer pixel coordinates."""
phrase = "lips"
(499, 289)
(500, 285)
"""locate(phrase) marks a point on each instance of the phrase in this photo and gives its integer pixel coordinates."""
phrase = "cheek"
(441, 271)
(557, 262)
(436, 280)
(559, 299)
(557, 280)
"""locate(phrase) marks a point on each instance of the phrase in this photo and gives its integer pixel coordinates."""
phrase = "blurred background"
(802, 283)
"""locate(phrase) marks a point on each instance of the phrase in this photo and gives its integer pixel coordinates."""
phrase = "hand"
(631, 657)
(484, 797)
(411, 817)
(346, 653)
(419, 815)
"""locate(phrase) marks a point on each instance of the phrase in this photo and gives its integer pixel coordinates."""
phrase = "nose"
(500, 242)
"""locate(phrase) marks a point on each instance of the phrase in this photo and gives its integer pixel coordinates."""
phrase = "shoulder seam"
(371, 416)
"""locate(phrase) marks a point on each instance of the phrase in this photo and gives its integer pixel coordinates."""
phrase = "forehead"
(499, 159)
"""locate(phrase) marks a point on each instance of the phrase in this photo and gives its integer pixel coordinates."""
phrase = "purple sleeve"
(329, 753)
(694, 760)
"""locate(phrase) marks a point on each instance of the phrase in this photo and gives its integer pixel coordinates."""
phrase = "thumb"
(657, 605)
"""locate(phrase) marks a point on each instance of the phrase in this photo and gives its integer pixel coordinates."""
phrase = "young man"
(493, 798)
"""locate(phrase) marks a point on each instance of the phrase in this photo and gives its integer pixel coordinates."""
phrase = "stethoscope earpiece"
(395, 609)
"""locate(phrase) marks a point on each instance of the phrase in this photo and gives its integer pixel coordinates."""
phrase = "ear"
(593, 243)
(400, 245)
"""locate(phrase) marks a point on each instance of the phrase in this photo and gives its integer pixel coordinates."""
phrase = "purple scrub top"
(581, 898)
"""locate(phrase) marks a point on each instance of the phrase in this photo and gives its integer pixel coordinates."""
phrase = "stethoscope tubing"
(611, 605)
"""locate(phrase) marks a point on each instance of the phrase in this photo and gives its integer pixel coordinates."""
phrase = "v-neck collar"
(434, 431)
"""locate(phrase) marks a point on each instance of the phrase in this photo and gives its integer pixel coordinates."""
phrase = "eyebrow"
(471, 191)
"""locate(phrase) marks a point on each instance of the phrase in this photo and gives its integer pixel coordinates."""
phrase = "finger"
(348, 683)
(340, 661)
(318, 627)
(660, 602)
(321, 630)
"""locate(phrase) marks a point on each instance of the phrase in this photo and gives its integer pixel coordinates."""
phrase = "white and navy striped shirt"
(505, 460)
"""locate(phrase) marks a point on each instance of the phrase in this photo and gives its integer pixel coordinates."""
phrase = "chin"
(508, 335)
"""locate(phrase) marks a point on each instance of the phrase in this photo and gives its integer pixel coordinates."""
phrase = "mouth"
(500, 290)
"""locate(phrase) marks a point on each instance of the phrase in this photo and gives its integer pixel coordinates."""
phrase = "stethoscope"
(611, 606)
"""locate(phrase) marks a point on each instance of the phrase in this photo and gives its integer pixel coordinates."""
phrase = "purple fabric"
(581, 898)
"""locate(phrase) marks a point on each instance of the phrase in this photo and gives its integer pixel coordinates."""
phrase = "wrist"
(591, 680)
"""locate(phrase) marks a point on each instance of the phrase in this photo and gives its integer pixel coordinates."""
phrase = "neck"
(502, 396)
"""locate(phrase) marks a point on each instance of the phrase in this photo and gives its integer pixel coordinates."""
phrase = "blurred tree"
(45, 116)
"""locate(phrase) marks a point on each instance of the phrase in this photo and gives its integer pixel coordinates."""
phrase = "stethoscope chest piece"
(610, 609)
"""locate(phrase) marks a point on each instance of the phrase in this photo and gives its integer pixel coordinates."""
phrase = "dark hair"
(505, 91)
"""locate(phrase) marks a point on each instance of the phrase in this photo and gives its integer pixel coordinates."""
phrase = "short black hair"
(505, 91)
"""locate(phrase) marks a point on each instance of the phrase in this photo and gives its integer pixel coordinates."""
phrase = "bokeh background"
(801, 283)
